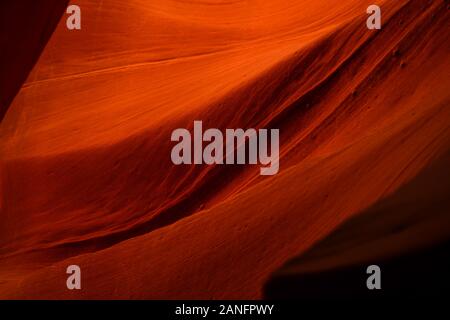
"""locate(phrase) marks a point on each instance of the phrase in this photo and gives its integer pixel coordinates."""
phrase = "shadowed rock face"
(25, 27)
(407, 235)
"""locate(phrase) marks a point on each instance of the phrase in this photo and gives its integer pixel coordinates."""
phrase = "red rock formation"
(86, 176)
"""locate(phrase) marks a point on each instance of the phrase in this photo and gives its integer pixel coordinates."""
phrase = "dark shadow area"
(25, 28)
(407, 235)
